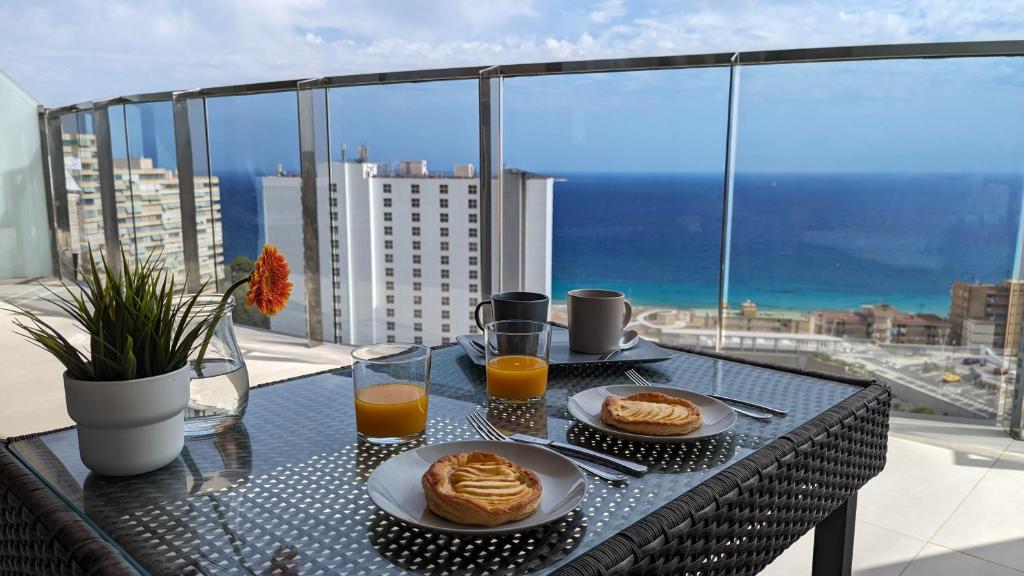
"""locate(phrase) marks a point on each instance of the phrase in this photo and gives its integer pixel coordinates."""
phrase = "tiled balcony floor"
(950, 501)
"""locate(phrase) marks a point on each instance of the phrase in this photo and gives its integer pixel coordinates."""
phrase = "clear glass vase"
(219, 392)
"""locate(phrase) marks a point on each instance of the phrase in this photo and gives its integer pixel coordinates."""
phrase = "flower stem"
(214, 318)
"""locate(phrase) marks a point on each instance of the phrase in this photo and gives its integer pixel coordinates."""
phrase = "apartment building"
(400, 248)
(987, 315)
(148, 209)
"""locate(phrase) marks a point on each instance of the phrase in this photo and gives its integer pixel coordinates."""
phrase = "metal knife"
(611, 461)
(769, 409)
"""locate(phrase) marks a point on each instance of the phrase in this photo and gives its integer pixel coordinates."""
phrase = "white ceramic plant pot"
(129, 427)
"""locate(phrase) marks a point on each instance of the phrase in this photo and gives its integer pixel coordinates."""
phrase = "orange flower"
(269, 288)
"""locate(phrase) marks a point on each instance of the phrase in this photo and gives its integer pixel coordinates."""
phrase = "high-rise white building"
(400, 250)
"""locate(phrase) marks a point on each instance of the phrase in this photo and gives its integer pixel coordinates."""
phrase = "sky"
(943, 115)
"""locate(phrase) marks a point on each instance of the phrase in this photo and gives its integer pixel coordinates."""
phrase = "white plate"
(585, 406)
(396, 489)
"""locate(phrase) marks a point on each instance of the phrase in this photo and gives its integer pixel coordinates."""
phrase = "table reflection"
(428, 552)
(370, 455)
(163, 504)
(664, 457)
(528, 417)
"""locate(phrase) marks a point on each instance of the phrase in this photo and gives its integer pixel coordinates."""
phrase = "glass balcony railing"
(850, 210)
(25, 241)
(82, 183)
(638, 162)
(404, 211)
(862, 243)
(253, 158)
(150, 163)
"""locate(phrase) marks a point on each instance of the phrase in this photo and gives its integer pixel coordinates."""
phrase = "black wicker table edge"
(772, 496)
(41, 535)
(823, 463)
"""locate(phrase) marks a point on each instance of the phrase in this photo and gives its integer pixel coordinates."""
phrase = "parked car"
(971, 361)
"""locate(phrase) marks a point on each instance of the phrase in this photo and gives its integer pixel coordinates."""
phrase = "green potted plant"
(128, 392)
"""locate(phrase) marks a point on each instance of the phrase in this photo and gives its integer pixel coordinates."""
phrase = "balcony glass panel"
(82, 180)
(149, 166)
(637, 160)
(24, 231)
(405, 207)
(254, 159)
(875, 225)
(206, 190)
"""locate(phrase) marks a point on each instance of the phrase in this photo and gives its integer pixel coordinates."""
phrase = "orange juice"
(516, 377)
(391, 410)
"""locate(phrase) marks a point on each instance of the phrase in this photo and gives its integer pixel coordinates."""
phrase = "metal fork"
(641, 381)
(747, 403)
(488, 431)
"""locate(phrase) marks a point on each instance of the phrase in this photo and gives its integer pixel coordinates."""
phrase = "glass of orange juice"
(392, 383)
(517, 359)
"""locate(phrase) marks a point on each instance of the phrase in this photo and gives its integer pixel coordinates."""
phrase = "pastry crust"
(652, 413)
(481, 489)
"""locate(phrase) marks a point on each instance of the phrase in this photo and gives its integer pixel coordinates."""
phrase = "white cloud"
(125, 47)
(607, 11)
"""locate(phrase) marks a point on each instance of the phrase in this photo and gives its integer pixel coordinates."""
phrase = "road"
(907, 372)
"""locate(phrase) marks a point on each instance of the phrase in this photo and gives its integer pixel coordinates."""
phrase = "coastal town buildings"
(884, 324)
(400, 247)
(880, 323)
(749, 318)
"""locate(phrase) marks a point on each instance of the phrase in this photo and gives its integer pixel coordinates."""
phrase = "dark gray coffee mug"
(596, 320)
(515, 306)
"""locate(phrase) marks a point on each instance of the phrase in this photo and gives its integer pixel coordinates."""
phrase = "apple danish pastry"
(652, 413)
(481, 489)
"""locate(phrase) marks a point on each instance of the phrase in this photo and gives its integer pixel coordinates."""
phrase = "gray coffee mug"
(515, 306)
(596, 320)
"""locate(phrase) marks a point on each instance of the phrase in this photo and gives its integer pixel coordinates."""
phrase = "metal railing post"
(108, 198)
(186, 188)
(1015, 417)
(727, 190)
(306, 93)
(51, 214)
(490, 260)
(61, 207)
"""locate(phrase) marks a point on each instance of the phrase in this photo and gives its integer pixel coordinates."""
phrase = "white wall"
(459, 281)
(24, 230)
(357, 227)
(282, 214)
(538, 242)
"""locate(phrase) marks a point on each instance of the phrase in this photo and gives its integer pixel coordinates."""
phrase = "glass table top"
(285, 491)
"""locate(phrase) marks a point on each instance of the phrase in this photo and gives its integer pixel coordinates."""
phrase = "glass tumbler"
(517, 359)
(219, 392)
(391, 386)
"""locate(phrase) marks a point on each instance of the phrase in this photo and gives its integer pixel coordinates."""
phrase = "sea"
(796, 241)
(241, 201)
